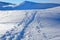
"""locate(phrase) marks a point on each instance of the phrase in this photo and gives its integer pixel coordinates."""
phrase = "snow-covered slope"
(23, 6)
(6, 5)
(33, 5)
(31, 24)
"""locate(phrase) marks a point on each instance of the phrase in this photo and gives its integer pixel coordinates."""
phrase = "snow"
(8, 6)
(30, 24)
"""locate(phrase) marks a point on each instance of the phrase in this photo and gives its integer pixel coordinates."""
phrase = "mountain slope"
(36, 24)
(3, 5)
(33, 5)
(27, 5)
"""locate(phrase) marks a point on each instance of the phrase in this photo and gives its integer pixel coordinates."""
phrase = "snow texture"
(30, 24)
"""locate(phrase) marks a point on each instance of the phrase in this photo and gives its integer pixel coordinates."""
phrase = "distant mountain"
(3, 4)
(33, 5)
(27, 5)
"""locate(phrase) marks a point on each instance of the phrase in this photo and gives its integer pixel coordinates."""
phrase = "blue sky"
(39, 1)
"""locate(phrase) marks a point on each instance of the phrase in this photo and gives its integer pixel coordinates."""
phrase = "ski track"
(35, 25)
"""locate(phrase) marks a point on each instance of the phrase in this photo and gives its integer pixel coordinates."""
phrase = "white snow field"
(30, 24)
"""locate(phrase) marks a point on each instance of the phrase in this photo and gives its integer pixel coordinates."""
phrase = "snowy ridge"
(23, 6)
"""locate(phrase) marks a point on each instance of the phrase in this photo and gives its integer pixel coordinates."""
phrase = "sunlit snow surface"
(30, 24)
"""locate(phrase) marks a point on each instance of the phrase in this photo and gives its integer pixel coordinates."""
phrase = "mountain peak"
(28, 1)
(28, 5)
(33, 5)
